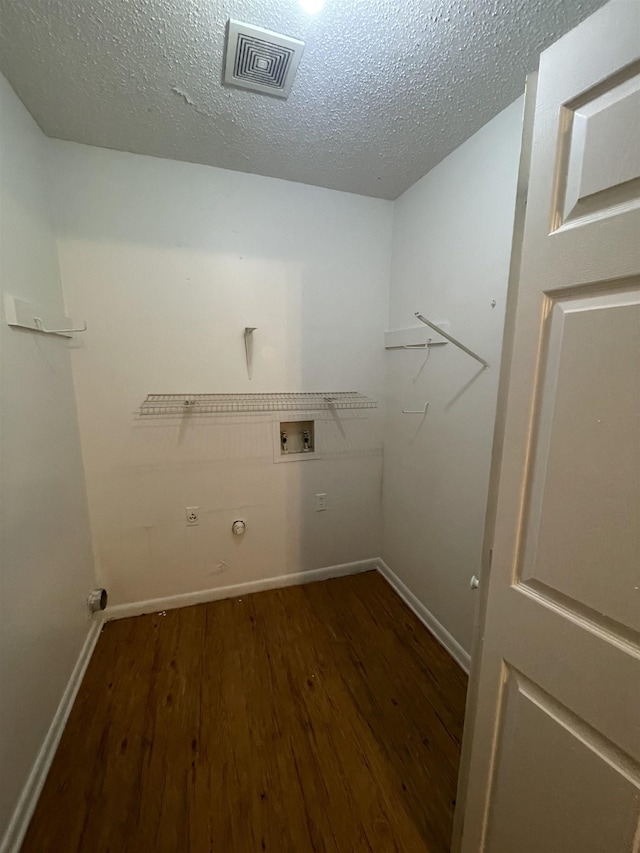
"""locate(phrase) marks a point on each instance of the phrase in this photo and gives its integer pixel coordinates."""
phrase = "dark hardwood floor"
(315, 718)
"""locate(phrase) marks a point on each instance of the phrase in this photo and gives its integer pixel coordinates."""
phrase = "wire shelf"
(216, 404)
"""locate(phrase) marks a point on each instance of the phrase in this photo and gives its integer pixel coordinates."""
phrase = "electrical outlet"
(321, 502)
(193, 515)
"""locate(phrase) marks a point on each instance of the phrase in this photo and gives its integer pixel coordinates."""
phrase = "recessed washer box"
(295, 439)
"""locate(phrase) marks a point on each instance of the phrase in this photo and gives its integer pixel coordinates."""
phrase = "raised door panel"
(582, 533)
(599, 151)
(560, 787)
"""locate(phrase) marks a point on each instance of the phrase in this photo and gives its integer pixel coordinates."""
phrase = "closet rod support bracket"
(42, 328)
(417, 411)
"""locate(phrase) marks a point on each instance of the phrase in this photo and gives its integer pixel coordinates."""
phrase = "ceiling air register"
(260, 60)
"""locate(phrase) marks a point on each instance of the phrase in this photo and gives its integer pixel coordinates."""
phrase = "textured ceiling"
(385, 90)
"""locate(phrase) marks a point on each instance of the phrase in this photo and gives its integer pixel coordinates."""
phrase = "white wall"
(168, 262)
(451, 249)
(46, 567)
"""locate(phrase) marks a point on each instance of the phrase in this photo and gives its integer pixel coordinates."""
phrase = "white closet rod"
(451, 339)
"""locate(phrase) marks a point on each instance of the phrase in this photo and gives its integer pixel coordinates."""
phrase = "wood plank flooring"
(314, 718)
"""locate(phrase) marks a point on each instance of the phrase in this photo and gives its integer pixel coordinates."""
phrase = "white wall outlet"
(321, 502)
(193, 515)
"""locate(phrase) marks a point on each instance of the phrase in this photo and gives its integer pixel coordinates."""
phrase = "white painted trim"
(14, 835)
(426, 617)
(186, 599)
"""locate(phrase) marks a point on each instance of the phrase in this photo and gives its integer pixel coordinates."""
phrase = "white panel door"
(555, 757)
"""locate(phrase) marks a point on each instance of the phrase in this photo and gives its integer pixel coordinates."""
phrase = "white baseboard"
(171, 602)
(14, 836)
(186, 599)
(426, 617)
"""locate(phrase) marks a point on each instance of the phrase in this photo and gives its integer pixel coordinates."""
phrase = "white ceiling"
(385, 90)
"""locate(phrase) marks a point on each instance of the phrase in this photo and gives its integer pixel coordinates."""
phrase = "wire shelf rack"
(216, 404)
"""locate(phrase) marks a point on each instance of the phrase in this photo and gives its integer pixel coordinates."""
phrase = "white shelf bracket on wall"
(24, 315)
(415, 337)
(450, 338)
(248, 348)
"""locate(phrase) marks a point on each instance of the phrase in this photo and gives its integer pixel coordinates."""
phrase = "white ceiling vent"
(260, 60)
